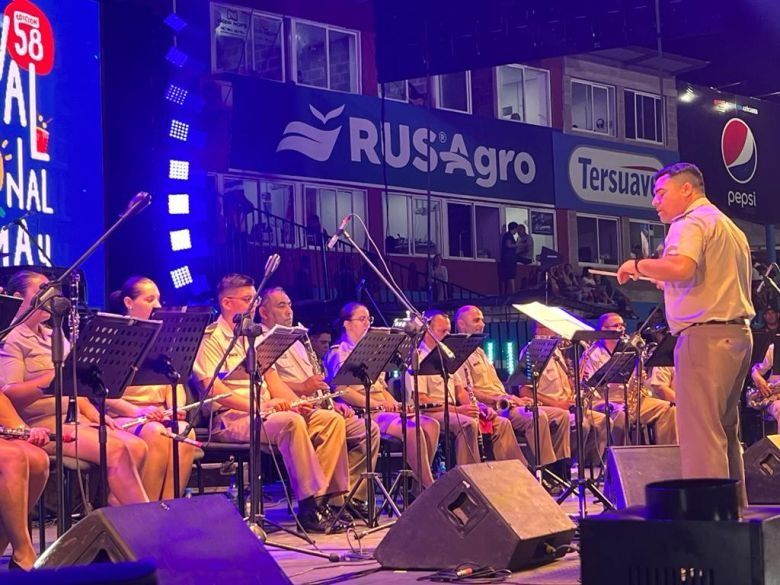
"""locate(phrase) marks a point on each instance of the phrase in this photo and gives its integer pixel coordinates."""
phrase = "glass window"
(311, 56)
(593, 107)
(453, 91)
(420, 213)
(333, 205)
(418, 91)
(394, 90)
(231, 38)
(397, 224)
(644, 117)
(326, 57)
(267, 35)
(523, 94)
(277, 201)
(459, 230)
(597, 240)
(342, 58)
(488, 230)
(646, 239)
(542, 231)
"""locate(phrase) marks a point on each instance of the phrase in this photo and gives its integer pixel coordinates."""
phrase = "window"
(326, 57)
(245, 41)
(406, 225)
(593, 107)
(394, 90)
(597, 240)
(646, 239)
(540, 225)
(644, 116)
(523, 94)
(459, 230)
(420, 212)
(488, 230)
(275, 225)
(331, 205)
(453, 91)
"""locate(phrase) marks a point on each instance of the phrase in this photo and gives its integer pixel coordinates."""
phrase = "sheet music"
(560, 322)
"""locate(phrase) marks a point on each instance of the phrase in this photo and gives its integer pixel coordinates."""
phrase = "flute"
(305, 401)
(169, 412)
(614, 274)
(24, 434)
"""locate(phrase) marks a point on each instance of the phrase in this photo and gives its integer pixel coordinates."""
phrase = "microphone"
(335, 237)
(272, 264)
(138, 203)
(767, 272)
(18, 220)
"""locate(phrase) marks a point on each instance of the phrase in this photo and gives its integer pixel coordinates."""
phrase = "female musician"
(355, 321)
(24, 468)
(26, 369)
(138, 297)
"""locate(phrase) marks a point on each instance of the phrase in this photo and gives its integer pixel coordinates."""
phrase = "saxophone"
(316, 366)
(757, 401)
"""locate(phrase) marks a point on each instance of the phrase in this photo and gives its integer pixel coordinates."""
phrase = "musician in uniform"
(767, 388)
(652, 410)
(138, 297)
(355, 322)
(311, 442)
(554, 429)
(26, 370)
(464, 411)
(705, 274)
(296, 368)
(661, 383)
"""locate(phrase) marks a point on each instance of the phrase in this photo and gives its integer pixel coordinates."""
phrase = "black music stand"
(110, 347)
(537, 355)
(170, 361)
(617, 370)
(362, 368)
(663, 354)
(436, 363)
(8, 309)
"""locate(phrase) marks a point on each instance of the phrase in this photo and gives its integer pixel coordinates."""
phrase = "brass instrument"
(757, 401)
(169, 412)
(316, 366)
(312, 400)
(634, 390)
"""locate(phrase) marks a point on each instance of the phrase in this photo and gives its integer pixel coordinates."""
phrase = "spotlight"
(176, 94)
(176, 57)
(181, 277)
(178, 204)
(179, 169)
(179, 130)
(175, 22)
(180, 240)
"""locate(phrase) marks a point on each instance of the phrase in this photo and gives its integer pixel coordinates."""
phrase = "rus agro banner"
(603, 177)
(735, 141)
(292, 130)
(50, 134)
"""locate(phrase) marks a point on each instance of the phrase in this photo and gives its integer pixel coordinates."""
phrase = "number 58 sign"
(30, 36)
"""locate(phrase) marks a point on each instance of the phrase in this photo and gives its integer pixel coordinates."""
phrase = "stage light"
(490, 351)
(509, 357)
(178, 204)
(175, 22)
(180, 240)
(176, 57)
(179, 130)
(176, 94)
(181, 277)
(179, 169)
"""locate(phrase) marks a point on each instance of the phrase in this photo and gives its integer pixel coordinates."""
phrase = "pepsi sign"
(731, 139)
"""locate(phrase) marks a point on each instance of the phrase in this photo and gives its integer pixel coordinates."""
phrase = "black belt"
(740, 321)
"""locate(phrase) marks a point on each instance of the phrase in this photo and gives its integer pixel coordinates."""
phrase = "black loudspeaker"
(492, 514)
(195, 541)
(762, 471)
(630, 469)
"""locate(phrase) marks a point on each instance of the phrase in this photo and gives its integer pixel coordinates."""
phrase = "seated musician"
(355, 322)
(554, 430)
(652, 410)
(661, 383)
(312, 445)
(296, 368)
(24, 468)
(767, 388)
(26, 370)
(556, 388)
(464, 411)
(138, 297)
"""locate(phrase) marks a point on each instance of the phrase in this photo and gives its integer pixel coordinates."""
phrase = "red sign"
(30, 36)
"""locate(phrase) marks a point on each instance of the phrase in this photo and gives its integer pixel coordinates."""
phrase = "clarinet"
(316, 366)
(474, 402)
(74, 323)
(24, 434)
(306, 402)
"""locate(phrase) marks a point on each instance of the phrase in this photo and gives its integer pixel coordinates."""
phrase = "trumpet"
(169, 412)
(307, 401)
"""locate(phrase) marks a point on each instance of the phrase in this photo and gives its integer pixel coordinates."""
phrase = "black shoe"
(358, 509)
(333, 511)
(316, 520)
(14, 566)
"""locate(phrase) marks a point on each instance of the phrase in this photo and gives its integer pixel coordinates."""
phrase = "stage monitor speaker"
(762, 471)
(196, 541)
(490, 514)
(630, 469)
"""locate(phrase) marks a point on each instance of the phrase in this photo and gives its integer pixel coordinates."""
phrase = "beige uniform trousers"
(357, 448)
(313, 449)
(594, 435)
(652, 410)
(390, 424)
(465, 430)
(711, 362)
(554, 432)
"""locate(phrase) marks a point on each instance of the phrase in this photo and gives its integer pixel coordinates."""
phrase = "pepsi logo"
(738, 149)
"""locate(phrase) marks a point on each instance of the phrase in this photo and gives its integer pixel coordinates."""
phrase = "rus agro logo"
(421, 148)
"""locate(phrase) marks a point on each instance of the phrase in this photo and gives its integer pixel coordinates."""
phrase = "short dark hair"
(130, 288)
(512, 225)
(21, 281)
(682, 168)
(232, 281)
(267, 292)
(431, 313)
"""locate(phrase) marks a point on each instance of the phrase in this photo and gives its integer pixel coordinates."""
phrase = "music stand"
(537, 355)
(572, 329)
(8, 308)
(663, 354)
(170, 361)
(462, 345)
(110, 347)
(362, 368)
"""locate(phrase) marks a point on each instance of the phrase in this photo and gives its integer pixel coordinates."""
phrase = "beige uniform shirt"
(433, 386)
(153, 395)
(720, 288)
(661, 376)
(337, 355)
(294, 365)
(26, 354)
(478, 370)
(554, 381)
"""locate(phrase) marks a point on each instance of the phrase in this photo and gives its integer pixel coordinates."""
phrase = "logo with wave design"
(316, 143)
(738, 149)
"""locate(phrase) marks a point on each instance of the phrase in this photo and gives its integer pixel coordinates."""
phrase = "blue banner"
(292, 130)
(50, 134)
(606, 178)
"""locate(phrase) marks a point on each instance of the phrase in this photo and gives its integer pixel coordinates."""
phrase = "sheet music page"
(560, 322)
